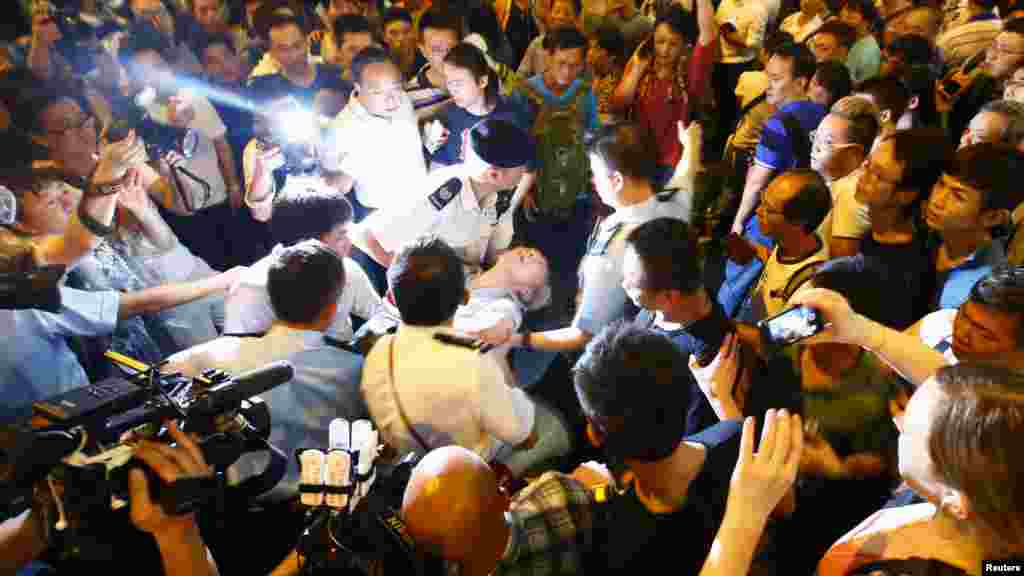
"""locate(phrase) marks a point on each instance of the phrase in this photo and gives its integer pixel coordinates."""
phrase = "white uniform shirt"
(248, 310)
(603, 300)
(325, 386)
(448, 208)
(451, 395)
(383, 155)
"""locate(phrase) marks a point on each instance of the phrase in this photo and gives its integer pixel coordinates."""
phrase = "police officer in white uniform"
(468, 205)
(622, 158)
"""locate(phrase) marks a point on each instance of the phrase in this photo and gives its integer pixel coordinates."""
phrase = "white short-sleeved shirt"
(384, 156)
(603, 300)
(451, 395)
(206, 121)
(448, 207)
(35, 360)
(936, 331)
(248, 310)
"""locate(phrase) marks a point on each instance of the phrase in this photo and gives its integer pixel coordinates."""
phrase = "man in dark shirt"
(898, 175)
(628, 383)
(296, 75)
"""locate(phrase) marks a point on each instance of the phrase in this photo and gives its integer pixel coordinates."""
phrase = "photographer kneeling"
(182, 552)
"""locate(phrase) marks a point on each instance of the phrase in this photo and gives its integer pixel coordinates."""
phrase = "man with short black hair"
(865, 56)
(304, 283)
(439, 32)
(425, 390)
(832, 41)
(293, 73)
(302, 213)
(180, 30)
(898, 175)
(351, 35)
(373, 146)
(668, 509)
(976, 193)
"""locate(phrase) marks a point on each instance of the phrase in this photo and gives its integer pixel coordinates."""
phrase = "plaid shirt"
(551, 526)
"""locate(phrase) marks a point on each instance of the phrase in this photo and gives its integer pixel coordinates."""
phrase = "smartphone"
(951, 87)
(790, 326)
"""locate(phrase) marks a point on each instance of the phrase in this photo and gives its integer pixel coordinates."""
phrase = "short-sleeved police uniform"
(451, 211)
(602, 298)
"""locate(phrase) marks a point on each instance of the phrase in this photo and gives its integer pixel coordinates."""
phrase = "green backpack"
(563, 172)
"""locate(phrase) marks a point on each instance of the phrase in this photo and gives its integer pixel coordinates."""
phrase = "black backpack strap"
(753, 104)
(800, 140)
(802, 275)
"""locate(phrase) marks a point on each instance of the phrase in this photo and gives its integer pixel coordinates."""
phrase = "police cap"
(501, 143)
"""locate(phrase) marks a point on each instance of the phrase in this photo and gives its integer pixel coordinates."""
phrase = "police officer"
(622, 159)
(468, 205)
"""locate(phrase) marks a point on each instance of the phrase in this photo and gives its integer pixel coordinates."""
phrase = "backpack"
(563, 171)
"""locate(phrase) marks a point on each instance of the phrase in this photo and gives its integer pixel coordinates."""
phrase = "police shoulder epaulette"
(603, 239)
(458, 341)
(445, 193)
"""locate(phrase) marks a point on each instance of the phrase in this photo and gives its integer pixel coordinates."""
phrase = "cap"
(501, 143)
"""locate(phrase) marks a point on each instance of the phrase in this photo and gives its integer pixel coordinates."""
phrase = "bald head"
(453, 508)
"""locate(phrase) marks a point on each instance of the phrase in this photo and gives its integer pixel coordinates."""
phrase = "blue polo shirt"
(775, 148)
(954, 285)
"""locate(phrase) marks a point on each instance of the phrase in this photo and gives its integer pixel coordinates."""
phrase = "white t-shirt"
(248, 310)
(450, 395)
(383, 155)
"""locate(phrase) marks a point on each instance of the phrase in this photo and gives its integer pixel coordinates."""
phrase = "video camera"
(351, 529)
(76, 438)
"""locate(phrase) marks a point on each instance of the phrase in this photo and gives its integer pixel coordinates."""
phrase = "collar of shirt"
(632, 213)
(356, 109)
(987, 255)
(297, 338)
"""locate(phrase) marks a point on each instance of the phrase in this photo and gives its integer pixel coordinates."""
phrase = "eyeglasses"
(821, 146)
(72, 123)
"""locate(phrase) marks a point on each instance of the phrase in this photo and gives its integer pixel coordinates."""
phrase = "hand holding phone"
(790, 326)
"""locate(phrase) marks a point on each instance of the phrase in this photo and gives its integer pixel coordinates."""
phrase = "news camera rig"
(76, 439)
(349, 528)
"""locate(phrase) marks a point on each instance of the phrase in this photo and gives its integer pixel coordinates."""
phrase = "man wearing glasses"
(1002, 59)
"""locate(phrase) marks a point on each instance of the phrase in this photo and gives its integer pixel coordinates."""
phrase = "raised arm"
(915, 361)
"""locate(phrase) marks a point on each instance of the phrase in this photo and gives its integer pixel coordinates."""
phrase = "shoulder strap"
(799, 278)
(799, 139)
(341, 344)
(398, 402)
(753, 104)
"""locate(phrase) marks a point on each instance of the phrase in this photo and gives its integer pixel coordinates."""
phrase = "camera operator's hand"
(843, 324)
(760, 479)
(115, 160)
(181, 546)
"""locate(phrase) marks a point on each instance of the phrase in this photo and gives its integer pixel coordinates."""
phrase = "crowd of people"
(535, 243)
